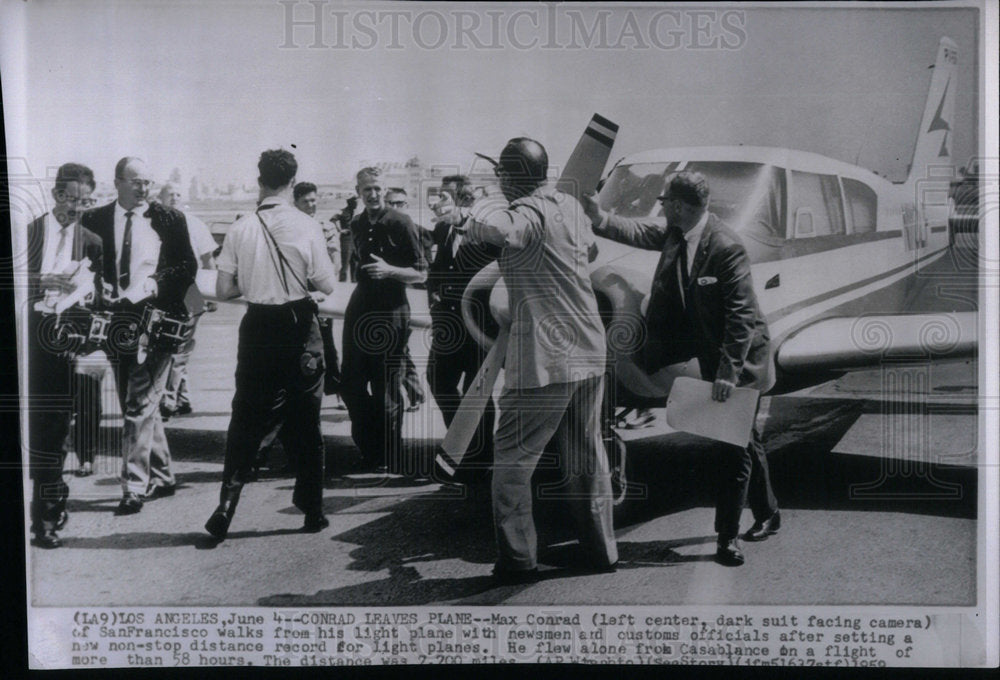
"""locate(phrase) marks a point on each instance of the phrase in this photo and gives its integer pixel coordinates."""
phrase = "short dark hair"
(396, 190)
(74, 172)
(277, 168)
(303, 188)
(460, 180)
(688, 187)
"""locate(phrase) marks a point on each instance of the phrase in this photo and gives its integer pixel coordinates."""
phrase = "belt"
(291, 304)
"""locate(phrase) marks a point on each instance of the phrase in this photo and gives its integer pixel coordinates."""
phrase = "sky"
(206, 86)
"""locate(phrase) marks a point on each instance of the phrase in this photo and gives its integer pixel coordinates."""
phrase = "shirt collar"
(137, 211)
(271, 201)
(694, 236)
(53, 226)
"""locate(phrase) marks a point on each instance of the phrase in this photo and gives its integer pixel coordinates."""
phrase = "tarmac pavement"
(860, 527)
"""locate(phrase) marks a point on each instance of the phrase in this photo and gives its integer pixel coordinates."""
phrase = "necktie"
(682, 264)
(58, 263)
(126, 255)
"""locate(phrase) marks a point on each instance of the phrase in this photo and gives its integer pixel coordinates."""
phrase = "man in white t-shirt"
(176, 400)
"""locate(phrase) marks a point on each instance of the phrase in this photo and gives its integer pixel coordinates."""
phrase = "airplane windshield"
(749, 197)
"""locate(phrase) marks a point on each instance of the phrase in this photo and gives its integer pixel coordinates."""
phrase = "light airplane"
(834, 250)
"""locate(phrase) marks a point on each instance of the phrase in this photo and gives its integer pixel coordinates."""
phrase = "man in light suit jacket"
(56, 242)
(702, 304)
(554, 365)
(147, 255)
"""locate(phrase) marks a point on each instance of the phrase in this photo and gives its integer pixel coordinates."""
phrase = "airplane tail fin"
(934, 141)
(586, 163)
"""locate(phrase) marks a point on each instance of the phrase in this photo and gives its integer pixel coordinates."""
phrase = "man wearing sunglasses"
(57, 245)
(703, 305)
(147, 258)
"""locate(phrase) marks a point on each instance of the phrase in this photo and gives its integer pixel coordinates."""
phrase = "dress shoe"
(61, 521)
(761, 530)
(513, 577)
(47, 539)
(218, 524)
(183, 410)
(165, 413)
(729, 552)
(644, 417)
(85, 470)
(130, 505)
(161, 491)
(315, 523)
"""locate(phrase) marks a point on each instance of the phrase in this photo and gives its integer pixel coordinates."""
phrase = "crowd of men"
(137, 254)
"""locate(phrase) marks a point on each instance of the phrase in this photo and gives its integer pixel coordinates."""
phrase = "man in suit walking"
(56, 246)
(455, 356)
(554, 365)
(147, 256)
(703, 305)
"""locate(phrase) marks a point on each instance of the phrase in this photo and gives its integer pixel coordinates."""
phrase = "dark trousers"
(411, 381)
(454, 362)
(743, 479)
(50, 407)
(331, 380)
(279, 380)
(89, 411)
(348, 260)
(372, 373)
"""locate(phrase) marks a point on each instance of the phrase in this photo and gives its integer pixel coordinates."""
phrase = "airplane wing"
(850, 343)
(334, 304)
(583, 170)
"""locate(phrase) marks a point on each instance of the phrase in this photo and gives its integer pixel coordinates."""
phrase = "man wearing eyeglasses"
(57, 245)
(377, 323)
(703, 305)
(147, 259)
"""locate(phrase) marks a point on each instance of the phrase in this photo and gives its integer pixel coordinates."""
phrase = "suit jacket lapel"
(701, 253)
(36, 244)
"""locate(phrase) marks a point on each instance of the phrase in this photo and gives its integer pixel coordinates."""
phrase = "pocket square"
(707, 280)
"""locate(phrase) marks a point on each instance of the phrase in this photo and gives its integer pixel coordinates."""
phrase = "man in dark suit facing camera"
(57, 247)
(702, 304)
(147, 256)
(455, 356)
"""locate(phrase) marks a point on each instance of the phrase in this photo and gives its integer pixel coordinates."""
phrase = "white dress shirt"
(145, 252)
(58, 248)
(202, 241)
(248, 254)
(693, 238)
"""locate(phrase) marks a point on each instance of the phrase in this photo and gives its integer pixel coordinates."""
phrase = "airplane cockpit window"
(816, 207)
(862, 204)
(632, 190)
(748, 197)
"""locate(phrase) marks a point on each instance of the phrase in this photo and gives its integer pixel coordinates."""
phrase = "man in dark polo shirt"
(377, 323)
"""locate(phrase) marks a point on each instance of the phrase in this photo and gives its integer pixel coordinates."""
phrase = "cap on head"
(688, 187)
